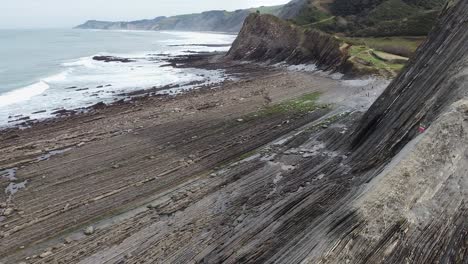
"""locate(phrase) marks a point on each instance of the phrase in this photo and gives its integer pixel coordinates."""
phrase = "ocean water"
(38, 68)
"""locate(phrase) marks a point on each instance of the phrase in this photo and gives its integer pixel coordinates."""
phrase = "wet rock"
(99, 105)
(23, 118)
(39, 112)
(89, 230)
(82, 89)
(64, 112)
(240, 120)
(112, 59)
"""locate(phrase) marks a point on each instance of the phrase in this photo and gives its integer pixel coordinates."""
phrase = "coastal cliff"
(271, 39)
(278, 167)
(353, 18)
(216, 20)
(434, 79)
(206, 21)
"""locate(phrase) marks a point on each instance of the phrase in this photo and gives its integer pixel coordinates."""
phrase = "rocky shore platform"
(170, 169)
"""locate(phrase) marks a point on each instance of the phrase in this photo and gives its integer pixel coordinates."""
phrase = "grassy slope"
(272, 10)
(372, 17)
(375, 29)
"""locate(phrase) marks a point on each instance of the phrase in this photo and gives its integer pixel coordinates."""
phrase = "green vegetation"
(365, 61)
(310, 15)
(419, 24)
(272, 10)
(371, 17)
(303, 104)
(391, 10)
(402, 46)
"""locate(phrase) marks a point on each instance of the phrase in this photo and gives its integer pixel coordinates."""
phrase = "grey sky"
(68, 13)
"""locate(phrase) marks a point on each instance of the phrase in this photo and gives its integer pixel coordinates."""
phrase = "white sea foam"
(23, 94)
(26, 93)
(199, 38)
(84, 61)
(85, 81)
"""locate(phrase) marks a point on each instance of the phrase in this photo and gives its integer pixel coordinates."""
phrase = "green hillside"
(370, 17)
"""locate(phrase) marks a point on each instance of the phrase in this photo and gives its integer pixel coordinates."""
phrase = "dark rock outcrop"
(271, 39)
(112, 59)
(433, 80)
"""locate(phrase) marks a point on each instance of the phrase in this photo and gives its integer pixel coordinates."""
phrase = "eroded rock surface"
(271, 39)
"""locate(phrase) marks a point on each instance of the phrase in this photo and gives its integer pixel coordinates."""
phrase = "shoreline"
(23, 121)
(233, 70)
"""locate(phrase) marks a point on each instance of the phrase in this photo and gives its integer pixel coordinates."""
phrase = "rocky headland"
(266, 38)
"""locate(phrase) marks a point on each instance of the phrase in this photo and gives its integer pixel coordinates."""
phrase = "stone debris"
(8, 211)
(45, 254)
(68, 240)
(89, 230)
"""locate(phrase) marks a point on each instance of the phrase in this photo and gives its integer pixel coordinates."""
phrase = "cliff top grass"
(272, 10)
(402, 46)
(364, 60)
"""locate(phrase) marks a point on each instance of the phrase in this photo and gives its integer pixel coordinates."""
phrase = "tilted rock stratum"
(321, 185)
(435, 79)
(271, 39)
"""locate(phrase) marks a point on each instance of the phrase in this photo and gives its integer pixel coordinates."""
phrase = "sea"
(43, 71)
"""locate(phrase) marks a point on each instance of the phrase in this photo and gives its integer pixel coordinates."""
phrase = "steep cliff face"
(433, 80)
(268, 38)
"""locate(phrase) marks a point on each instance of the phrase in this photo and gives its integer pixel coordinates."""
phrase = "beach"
(105, 165)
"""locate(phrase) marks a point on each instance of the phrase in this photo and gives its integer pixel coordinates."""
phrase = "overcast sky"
(69, 13)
